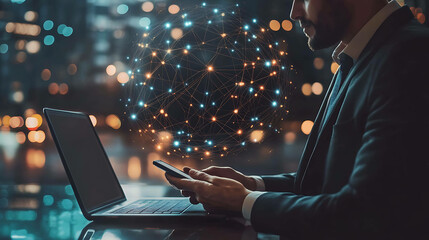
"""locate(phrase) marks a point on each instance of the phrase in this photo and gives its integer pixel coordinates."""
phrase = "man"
(364, 170)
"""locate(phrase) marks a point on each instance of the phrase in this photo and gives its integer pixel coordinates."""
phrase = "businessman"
(365, 167)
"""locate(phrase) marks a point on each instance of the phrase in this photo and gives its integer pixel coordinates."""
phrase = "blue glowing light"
(178, 65)
(61, 28)
(133, 116)
(203, 4)
(209, 22)
(278, 91)
(144, 22)
(188, 23)
(254, 36)
(243, 143)
(215, 10)
(188, 46)
(176, 143)
(167, 25)
(18, 1)
(151, 87)
(141, 103)
(129, 99)
(170, 90)
(258, 49)
(210, 142)
(67, 204)
(274, 104)
(67, 31)
(283, 67)
(201, 105)
(4, 48)
(251, 90)
(246, 27)
(207, 93)
(48, 25)
(122, 9)
(268, 63)
(48, 200)
(168, 41)
(213, 103)
(49, 40)
(188, 149)
(254, 20)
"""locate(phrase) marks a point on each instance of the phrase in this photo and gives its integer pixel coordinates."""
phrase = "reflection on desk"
(51, 212)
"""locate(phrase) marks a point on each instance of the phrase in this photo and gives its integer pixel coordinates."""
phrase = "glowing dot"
(277, 92)
(210, 68)
(243, 143)
(235, 111)
(147, 6)
(223, 35)
(201, 105)
(133, 116)
(241, 84)
(122, 9)
(144, 22)
(214, 119)
(215, 10)
(254, 20)
(176, 33)
(167, 25)
(246, 27)
(306, 127)
(267, 63)
(317, 88)
(141, 103)
(203, 4)
(49, 40)
(148, 75)
(207, 153)
(239, 132)
(306, 89)
(274, 104)
(153, 54)
(162, 62)
(209, 22)
(256, 136)
(210, 142)
(170, 90)
(274, 25)
(173, 9)
(188, 149)
(287, 25)
(48, 25)
(334, 67)
(185, 51)
(123, 77)
(111, 70)
(176, 143)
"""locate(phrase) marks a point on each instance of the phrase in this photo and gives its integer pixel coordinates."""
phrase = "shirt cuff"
(260, 185)
(250, 199)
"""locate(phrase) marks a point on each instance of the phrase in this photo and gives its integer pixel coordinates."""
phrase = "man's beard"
(331, 26)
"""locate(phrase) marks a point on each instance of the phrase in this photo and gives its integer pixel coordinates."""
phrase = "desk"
(52, 212)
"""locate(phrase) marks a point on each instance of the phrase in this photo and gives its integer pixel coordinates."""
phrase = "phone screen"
(170, 169)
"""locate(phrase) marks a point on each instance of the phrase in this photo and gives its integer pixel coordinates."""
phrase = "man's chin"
(315, 43)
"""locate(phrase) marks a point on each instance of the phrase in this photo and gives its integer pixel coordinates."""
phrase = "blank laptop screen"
(84, 156)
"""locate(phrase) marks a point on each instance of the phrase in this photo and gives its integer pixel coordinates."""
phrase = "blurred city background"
(69, 55)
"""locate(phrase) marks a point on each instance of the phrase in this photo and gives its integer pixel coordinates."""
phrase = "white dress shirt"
(353, 49)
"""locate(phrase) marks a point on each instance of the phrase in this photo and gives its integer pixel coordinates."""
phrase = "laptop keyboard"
(173, 206)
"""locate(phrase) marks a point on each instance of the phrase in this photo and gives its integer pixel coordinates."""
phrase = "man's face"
(324, 21)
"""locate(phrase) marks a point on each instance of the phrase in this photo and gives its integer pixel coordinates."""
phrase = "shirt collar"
(361, 39)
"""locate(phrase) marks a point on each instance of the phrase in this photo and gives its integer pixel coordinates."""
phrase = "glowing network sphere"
(206, 82)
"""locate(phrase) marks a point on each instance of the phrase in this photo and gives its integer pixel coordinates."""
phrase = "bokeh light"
(274, 25)
(287, 25)
(147, 6)
(173, 9)
(111, 70)
(306, 126)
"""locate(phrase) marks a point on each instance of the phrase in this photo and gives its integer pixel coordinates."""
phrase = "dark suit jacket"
(366, 171)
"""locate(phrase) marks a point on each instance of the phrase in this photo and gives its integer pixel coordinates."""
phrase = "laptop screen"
(85, 159)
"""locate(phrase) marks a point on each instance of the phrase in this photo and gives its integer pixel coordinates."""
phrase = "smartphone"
(170, 169)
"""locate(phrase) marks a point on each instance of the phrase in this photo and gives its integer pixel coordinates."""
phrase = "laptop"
(95, 185)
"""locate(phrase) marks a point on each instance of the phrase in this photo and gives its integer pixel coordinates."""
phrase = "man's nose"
(297, 11)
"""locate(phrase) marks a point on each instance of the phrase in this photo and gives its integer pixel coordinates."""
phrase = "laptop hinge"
(107, 205)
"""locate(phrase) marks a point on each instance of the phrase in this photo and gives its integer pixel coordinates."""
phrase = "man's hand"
(225, 172)
(215, 193)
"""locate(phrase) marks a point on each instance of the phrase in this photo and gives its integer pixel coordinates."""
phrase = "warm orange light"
(306, 89)
(223, 35)
(241, 84)
(134, 168)
(185, 51)
(161, 111)
(154, 54)
(123, 77)
(113, 121)
(31, 123)
(207, 153)
(93, 120)
(111, 70)
(257, 136)
(162, 62)
(210, 68)
(306, 127)
(148, 75)
(35, 158)
(274, 25)
(173, 9)
(214, 119)
(225, 148)
(235, 111)
(287, 25)
(239, 132)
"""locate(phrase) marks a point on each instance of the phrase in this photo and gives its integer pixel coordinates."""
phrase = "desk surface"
(51, 212)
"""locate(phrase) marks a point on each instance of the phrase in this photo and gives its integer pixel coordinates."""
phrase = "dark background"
(76, 79)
